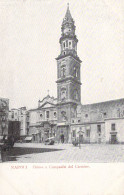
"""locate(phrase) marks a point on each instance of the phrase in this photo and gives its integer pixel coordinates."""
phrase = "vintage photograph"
(61, 82)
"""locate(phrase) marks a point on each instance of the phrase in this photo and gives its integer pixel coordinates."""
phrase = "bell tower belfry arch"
(68, 77)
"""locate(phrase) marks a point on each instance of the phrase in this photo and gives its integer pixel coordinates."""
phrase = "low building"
(22, 116)
(100, 122)
(114, 130)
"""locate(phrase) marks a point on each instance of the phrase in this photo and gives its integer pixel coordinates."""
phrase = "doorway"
(62, 138)
(113, 139)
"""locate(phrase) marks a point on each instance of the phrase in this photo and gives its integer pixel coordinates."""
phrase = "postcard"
(62, 97)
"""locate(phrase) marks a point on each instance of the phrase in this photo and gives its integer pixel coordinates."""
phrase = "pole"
(79, 141)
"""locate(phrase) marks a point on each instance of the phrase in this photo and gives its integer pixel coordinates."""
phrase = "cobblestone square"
(64, 153)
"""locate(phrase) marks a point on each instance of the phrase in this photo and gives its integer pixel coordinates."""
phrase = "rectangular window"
(74, 133)
(99, 128)
(47, 114)
(113, 127)
(86, 115)
(12, 114)
(70, 44)
(64, 45)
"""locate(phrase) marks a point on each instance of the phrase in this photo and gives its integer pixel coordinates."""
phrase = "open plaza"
(64, 153)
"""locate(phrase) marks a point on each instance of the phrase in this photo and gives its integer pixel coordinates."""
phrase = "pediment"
(47, 105)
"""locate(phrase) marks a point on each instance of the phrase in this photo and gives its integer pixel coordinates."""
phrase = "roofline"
(53, 105)
(70, 55)
(104, 102)
(46, 97)
(119, 118)
(33, 109)
(87, 123)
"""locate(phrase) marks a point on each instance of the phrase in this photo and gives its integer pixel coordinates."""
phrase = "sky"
(29, 43)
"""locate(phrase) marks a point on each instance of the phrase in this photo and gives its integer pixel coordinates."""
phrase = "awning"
(50, 138)
(28, 138)
(62, 124)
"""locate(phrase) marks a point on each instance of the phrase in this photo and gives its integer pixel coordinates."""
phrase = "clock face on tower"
(67, 30)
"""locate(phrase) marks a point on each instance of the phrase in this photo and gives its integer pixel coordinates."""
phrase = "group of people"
(8, 141)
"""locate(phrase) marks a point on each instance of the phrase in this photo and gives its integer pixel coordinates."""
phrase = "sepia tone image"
(60, 102)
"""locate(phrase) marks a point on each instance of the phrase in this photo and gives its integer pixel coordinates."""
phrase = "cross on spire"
(68, 17)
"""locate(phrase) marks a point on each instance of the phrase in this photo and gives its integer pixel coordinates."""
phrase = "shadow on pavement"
(15, 152)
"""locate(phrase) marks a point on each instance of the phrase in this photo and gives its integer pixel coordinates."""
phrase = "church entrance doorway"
(62, 138)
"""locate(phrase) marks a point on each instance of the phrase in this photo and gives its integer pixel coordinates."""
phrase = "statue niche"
(64, 117)
(63, 93)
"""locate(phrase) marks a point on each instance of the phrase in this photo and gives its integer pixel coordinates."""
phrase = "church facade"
(64, 117)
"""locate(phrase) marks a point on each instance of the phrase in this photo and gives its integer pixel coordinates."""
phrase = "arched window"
(41, 115)
(64, 45)
(63, 71)
(70, 44)
(47, 114)
(55, 115)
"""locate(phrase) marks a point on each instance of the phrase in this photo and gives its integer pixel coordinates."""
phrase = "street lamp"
(80, 131)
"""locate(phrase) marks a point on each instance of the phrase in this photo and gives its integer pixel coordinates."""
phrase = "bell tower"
(68, 77)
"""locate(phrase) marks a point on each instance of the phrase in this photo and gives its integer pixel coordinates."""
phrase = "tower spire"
(68, 40)
(68, 17)
(67, 5)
